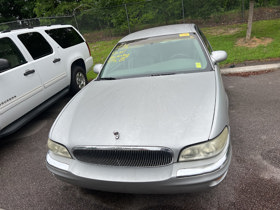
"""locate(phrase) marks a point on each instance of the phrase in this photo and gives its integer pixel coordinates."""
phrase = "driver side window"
(10, 52)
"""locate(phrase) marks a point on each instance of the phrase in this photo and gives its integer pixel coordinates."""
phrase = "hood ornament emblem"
(116, 134)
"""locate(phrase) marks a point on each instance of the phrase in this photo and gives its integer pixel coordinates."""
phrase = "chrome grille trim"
(125, 156)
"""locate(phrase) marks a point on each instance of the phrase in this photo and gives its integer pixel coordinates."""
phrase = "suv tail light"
(88, 49)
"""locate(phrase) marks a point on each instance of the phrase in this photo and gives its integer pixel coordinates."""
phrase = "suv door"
(20, 84)
(47, 61)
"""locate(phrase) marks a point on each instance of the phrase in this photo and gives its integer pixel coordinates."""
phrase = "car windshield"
(164, 55)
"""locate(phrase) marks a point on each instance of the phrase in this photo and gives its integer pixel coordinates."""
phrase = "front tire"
(78, 79)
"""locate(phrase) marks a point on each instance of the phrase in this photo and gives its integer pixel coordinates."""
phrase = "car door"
(47, 61)
(20, 86)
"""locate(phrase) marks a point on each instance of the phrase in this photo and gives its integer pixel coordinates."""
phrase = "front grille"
(131, 157)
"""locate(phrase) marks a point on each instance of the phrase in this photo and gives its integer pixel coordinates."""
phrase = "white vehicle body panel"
(22, 96)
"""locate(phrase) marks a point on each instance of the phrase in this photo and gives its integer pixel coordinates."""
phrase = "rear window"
(65, 37)
(36, 44)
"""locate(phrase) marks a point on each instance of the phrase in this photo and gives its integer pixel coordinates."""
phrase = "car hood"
(168, 111)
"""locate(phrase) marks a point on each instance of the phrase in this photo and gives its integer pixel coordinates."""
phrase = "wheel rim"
(80, 80)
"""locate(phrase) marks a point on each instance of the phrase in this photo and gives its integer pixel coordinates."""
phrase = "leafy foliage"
(104, 14)
(48, 8)
(20, 9)
(16, 9)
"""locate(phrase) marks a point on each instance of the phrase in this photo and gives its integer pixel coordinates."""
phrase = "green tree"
(16, 9)
(47, 8)
(202, 8)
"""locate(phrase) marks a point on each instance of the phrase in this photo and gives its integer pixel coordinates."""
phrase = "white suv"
(38, 66)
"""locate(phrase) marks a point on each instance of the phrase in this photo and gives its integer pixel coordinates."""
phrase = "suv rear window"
(65, 37)
(36, 44)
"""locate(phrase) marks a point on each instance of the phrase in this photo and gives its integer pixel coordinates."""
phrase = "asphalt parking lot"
(253, 180)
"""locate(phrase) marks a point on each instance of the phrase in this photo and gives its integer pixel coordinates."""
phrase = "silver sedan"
(155, 120)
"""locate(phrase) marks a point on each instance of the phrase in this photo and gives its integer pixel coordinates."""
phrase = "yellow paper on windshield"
(198, 65)
(119, 56)
(123, 57)
(185, 34)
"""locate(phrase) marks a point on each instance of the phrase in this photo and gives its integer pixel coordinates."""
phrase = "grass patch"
(99, 51)
(239, 54)
(221, 38)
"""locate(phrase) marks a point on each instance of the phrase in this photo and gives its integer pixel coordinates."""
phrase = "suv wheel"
(78, 80)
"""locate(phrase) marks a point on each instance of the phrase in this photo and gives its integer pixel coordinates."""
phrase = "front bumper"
(177, 178)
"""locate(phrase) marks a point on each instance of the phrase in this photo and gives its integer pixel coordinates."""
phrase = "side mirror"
(4, 64)
(97, 68)
(218, 56)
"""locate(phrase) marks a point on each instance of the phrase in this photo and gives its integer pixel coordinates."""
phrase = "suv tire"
(78, 79)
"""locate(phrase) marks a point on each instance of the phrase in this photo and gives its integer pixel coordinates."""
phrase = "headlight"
(58, 149)
(205, 150)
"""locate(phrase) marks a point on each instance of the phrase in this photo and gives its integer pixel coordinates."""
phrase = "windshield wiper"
(108, 78)
(163, 74)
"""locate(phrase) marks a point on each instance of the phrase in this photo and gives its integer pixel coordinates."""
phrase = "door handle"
(29, 72)
(56, 60)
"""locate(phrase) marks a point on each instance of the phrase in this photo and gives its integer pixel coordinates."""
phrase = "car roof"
(160, 31)
(26, 30)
